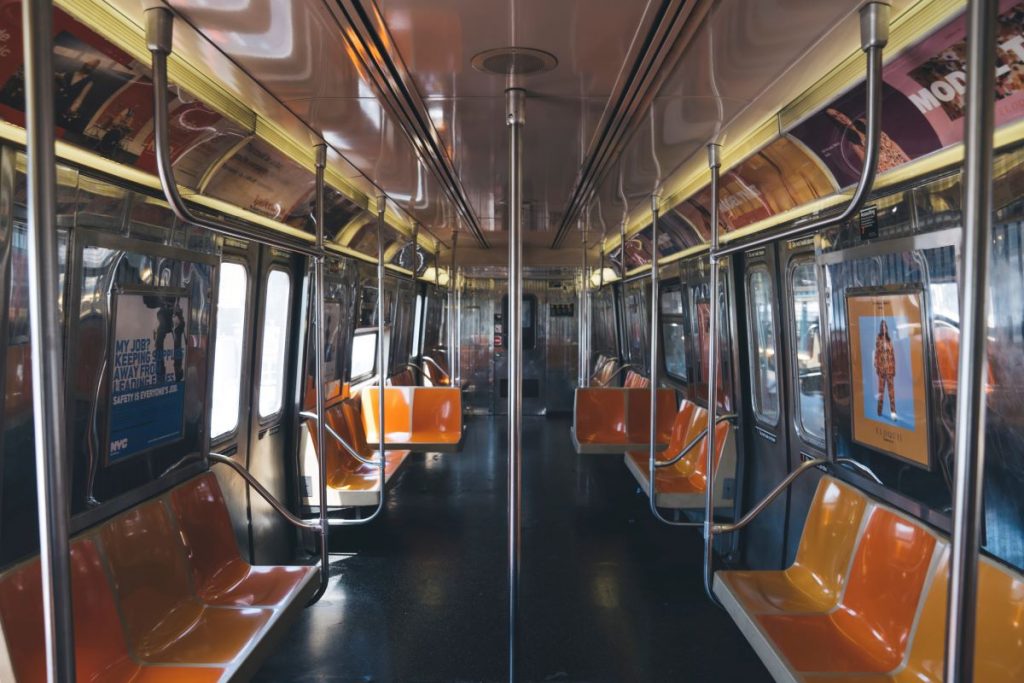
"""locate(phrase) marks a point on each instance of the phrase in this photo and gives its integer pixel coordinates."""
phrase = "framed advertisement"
(147, 372)
(888, 372)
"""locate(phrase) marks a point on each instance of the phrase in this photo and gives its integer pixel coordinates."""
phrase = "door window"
(229, 346)
(275, 346)
(764, 359)
(806, 359)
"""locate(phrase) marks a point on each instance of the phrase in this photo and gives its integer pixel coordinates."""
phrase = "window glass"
(275, 337)
(764, 362)
(417, 322)
(675, 349)
(364, 354)
(807, 347)
(672, 301)
(229, 343)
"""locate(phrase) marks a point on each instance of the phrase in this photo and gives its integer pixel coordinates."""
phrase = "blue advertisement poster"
(147, 373)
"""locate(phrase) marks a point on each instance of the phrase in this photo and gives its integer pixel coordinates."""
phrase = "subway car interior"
(526, 340)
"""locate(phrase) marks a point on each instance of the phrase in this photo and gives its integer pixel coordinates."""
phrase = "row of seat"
(683, 484)
(160, 594)
(865, 600)
(607, 369)
(416, 418)
(616, 420)
(352, 483)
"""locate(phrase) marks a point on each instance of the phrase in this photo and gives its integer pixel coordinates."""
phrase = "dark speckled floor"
(608, 594)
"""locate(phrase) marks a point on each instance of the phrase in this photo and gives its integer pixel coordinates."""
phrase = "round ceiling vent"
(521, 61)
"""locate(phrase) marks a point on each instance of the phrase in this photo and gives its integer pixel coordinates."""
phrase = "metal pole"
(45, 336)
(319, 340)
(969, 474)
(584, 331)
(452, 349)
(515, 116)
(458, 328)
(714, 163)
(381, 361)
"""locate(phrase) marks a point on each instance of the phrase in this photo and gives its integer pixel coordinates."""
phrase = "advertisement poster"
(933, 75)
(261, 179)
(147, 381)
(888, 374)
(838, 134)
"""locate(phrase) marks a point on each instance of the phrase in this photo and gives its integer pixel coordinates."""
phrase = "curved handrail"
(159, 33)
(625, 366)
(874, 36)
(436, 365)
(264, 493)
(693, 444)
(414, 367)
(340, 439)
(860, 467)
(767, 500)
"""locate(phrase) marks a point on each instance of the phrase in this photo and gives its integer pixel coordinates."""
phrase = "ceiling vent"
(520, 61)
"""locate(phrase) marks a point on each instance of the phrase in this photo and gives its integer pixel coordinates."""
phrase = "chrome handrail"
(433, 362)
(340, 439)
(860, 467)
(693, 444)
(874, 35)
(772, 495)
(264, 493)
(623, 367)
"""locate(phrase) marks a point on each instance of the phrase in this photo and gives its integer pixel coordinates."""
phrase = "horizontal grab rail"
(340, 439)
(693, 444)
(767, 500)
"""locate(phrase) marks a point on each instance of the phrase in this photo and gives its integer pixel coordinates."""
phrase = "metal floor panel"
(608, 594)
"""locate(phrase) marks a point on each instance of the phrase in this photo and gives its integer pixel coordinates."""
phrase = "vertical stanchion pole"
(515, 116)
(452, 349)
(458, 328)
(319, 340)
(381, 360)
(655, 316)
(584, 323)
(969, 475)
(714, 163)
(45, 336)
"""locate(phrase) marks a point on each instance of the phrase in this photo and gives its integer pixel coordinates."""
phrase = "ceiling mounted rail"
(367, 34)
(674, 25)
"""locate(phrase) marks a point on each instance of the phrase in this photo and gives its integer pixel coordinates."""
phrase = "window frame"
(363, 332)
(272, 417)
(246, 323)
(798, 419)
(752, 346)
(675, 319)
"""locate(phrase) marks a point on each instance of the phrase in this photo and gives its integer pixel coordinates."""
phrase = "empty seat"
(684, 483)
(405, 378)
(219, 574)
(101, 653)
(165, 621)
(416, 418)
(816, 578)
(635, 380)
(615, 420)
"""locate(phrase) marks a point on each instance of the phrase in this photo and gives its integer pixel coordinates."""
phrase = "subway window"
(364, 355)
(764, 361)
(673, 331)
(275, 342)
(417, 326)
(807, 351)
(228, 349)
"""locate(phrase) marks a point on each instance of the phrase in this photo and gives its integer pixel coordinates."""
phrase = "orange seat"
(165, 620)
(424, 418)
(999, 647)
(604, 371)
(946, 341)
(101, 653)
(635, 380)
(219, 574)
(870, 627)
(613, 420)
(816, 578)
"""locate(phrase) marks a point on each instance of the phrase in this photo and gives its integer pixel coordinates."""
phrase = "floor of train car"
(607, 593)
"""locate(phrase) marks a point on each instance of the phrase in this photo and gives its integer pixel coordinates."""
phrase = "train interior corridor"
(421, 595)
(466, 341)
